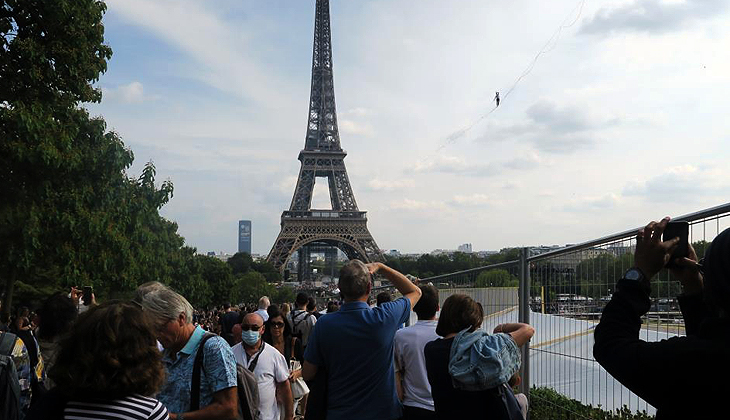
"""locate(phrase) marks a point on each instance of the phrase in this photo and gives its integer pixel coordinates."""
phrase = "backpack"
(295, 324)
(246, 386)
(9, 385)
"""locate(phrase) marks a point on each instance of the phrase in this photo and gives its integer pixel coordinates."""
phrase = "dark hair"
(354, 280)
(302, 299)
(458, 313)
(382, 297)
(428, 304)
(311, 304)
(111, 352)
(57, 314)
(332, 306)
(274, 312)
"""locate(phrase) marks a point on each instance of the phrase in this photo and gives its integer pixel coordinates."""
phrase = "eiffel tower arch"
(343, 226)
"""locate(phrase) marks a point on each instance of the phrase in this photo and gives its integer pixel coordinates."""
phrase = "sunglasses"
(246, 327)
(277, 324)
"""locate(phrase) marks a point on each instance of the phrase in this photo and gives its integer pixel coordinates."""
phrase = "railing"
(330, 214)
(562, 294)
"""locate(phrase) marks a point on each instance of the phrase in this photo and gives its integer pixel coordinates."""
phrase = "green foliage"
(240, 263)
(548, 404)
(428, 265)
(251, 286)
(496, 278)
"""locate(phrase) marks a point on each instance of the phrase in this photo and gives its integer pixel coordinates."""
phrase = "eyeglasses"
(277, 324)
(246, 327)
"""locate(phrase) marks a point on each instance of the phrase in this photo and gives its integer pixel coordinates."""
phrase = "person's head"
(302, 299)
(716, 267)
(226, 306)
(252, 328)
(110, 352)
(285, 308)
(459, 313)
(171, 315)
(311, 304)
(237, 334)
(332, 307)
(382, 297)
(56, 316)
(145, 288)
(428, 305)
(354, 283)
(264, 302)
(276, 326)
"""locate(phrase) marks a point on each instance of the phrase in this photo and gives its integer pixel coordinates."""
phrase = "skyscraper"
(244, 236)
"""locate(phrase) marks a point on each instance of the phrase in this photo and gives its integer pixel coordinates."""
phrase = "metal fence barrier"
(562, 293)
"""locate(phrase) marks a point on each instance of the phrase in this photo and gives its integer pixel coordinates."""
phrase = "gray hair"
(166, 304)
(144, 289)
(354, 279)
(264, 302)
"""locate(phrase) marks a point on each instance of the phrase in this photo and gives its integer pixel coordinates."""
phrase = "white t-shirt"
(410, 362)
(302, 322)
(270, 369)
(263, 314)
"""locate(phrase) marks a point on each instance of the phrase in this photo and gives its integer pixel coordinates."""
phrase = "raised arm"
(521, 333)
(408, 289)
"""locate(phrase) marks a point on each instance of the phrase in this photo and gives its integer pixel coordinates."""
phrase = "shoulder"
(272, 353)
(217, 349)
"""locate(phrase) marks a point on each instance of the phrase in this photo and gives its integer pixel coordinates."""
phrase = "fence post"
(524, 316)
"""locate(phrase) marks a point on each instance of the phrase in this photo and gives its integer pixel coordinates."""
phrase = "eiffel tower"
(344, 226)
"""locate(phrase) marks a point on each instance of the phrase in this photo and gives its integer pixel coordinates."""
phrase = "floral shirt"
(22, 365)
(218, 372)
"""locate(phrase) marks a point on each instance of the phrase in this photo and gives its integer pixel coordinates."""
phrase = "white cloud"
(353, 127)
(377, 184)
(132, 93)
(471, 200)
(653, 16)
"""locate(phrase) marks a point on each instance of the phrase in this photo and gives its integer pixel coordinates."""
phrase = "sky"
(619, 120)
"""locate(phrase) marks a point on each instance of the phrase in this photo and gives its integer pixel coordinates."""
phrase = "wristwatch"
(634, 274)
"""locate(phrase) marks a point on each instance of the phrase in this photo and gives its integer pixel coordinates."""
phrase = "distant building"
(392, 253)
(244, 236)
(464, 248)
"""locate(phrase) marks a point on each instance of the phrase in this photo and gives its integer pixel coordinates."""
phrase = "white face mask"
(250, 337)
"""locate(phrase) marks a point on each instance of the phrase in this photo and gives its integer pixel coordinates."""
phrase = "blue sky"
(621, 120)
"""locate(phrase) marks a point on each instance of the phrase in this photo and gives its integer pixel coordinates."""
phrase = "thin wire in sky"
(549, 46)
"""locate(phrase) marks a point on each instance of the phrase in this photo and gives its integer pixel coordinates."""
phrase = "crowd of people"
(155, 357)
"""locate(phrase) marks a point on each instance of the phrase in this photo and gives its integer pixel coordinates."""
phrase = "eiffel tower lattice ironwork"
(344, 226)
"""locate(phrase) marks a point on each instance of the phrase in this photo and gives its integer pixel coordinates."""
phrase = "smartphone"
(88, 290)
(677, 230)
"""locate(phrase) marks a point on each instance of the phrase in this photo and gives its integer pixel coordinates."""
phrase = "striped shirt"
(135, 407)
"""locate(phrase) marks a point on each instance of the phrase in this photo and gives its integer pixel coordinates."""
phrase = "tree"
(50, 54)
(496, 278)
(217, 274)
(70, 214)
(240, 263)
(251, 286)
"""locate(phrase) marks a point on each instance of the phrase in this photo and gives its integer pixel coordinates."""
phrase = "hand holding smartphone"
(677, 230)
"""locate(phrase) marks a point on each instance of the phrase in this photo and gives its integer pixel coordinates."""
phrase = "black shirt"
(683, 377)
(452, 403)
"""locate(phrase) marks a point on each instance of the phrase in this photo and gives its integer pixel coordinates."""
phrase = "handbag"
(299, 388)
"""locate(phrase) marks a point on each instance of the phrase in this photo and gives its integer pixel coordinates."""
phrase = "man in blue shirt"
(355, 345)
(172, 316)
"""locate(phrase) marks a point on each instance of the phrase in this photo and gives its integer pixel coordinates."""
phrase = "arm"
(399, 385)
(223, 407)
(409, 290)
(284, 396)
(639, 365)
(521, 333)
(309, 371)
